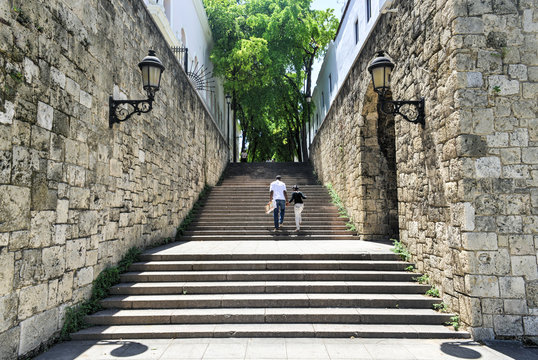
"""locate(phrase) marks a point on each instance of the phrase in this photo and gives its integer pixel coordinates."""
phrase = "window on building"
(356, 28)
(330, 84)
(368, 9)
(322, 100)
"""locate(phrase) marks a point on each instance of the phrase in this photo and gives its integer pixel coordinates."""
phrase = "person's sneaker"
(275, 229)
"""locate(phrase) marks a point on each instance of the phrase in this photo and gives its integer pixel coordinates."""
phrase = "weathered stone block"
(41, 228)
(45, 114)
(509, 224)
(492, 306)
(31, 70)
(519, 137)
(79, 198)
(488, 204)
(510, 156)
(85, 99)
(61, 124)
(5, 167)
(489, 62)
(88, 224)
(479, 7)
(529, 25)
(470, 310)
(505, 86)
(468, 25)
(83, 277)
(497, 140)
(8, 312)
(4, 239)
(10, 343)
(6, 117)
(7, 273)
(515, 307)
(521, 244)
(58, 77)
(489, 262)
(479, 241)
(76, 176)
(518, 71)
(62, 208)
(525, 266)
(481, 285)
(470, 145)
(14, 208)
(37, 328)
(530, 324)
(488, 167)
(508, 325)
(53, 261)
(31, 300)
(529, 155)
(60, 234)
(75, 253)
(530, 224)
(474, 80)
(483, 122)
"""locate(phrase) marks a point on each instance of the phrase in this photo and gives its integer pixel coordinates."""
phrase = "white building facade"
(184, 24)
(358, 19)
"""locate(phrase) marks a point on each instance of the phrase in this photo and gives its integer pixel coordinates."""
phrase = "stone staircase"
(232, 277)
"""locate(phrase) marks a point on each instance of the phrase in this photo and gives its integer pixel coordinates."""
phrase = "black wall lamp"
(381, 68)
(152, 69)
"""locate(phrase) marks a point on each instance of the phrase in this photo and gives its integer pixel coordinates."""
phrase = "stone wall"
(467, 184)
(75, 194)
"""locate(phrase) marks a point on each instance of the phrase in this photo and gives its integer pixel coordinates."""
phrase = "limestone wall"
(467, 184)
(74, 194)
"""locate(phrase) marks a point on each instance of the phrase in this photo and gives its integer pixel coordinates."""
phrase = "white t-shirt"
(278, 188)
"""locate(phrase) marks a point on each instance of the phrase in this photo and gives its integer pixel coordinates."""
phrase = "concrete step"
(268, 275)
(268, 315)
(267, 231)
(268, 287)
(261, 216)
(267, 222)
(399, 301)
(268, 330)
(245, 211)
(267, 225)
(159, 255)
(227, 205)
(281, 235)
(260, 211)
(269, 265)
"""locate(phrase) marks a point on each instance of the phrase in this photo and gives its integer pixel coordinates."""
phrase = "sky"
(328, 4)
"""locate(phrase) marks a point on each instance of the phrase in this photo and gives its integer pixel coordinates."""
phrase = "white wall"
(342, 53)
(184, 23)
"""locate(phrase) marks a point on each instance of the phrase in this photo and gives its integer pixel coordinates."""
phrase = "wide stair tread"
(271, 291)
(267, 330)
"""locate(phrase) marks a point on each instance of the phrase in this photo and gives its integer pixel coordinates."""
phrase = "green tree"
(265, 49)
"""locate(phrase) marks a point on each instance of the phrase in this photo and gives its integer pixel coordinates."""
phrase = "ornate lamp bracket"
(410, 110)
(119, 114)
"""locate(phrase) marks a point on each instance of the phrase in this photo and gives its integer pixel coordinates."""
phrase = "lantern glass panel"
(381, 77)
(155, 77)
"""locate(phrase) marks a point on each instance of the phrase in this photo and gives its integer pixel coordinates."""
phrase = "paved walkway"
(272, 247)
(271, 348)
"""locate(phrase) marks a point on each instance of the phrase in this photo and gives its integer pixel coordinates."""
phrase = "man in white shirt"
(278, 193)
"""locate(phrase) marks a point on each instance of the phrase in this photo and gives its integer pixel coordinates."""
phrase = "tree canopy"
(264, 50)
